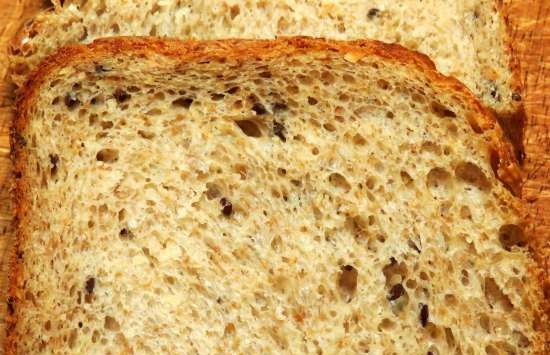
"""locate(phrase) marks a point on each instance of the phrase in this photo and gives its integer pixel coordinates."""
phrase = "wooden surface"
(529, 22)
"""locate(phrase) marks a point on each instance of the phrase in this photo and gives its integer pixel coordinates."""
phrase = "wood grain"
(529, 22)
(529, 26)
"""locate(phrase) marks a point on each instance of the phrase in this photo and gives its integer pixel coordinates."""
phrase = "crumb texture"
(306, 203)
(466, 39)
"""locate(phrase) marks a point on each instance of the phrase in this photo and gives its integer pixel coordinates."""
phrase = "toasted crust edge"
(505, 166)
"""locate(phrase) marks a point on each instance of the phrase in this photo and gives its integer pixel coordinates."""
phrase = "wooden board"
(529, 22)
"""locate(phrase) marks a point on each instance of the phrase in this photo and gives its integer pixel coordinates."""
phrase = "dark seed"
(430, 353)
(395, 292)
(11, 305)
(80, 324)
(71, 101)
(373, 13)
(279, 130)
(424, 314)
(121, 96)
(90, 284)
(259, 109)
(227, 207)
(516, 96)
(183, 102)
(280, 106)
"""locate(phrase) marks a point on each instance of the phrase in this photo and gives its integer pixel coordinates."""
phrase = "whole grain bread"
(246, 197)
(466, 38)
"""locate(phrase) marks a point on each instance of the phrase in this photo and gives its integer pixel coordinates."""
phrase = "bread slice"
(250, 197)
(466, 39)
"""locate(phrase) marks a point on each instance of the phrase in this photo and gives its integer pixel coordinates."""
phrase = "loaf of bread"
(264, 197)
(465, 38)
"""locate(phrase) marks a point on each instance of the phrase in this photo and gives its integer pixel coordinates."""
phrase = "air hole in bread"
(383, 84)
(154, 112)
(485, 323)
(312, 101)
(521, 340)
(107, 155)
(281, 171)
(491, 350)
(394, 272)
(465, 212)
(242, 170)
(146, 134)
(441, 110)
(411, 284)
(95, 336)
(495, 297)
(510, 236)
(71, 100)
(111, 324)
(115, 28)
(371, 182)
(233, 90)
(406, 178)
(250, 128)
(450, 300)
(217, 97)
(430, 147)
(121, 95)
(357, 225)
(184, 102)
(72, 339)
(276, 243)
(338, 181)
(305, 80)
(347, 282)
(329, 127)
(359, 139)
(265, 74)
(465, 277)
(107, 124)
(126, 233)
(327, 78)
(229, 329)
(438, 178)
(472, 174)
(386, 325)
(348, 78)
(122, 215)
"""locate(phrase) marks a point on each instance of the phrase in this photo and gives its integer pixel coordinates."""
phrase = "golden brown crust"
(240, 50)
